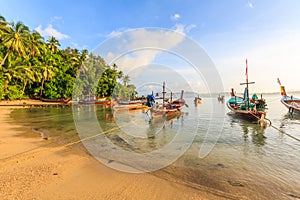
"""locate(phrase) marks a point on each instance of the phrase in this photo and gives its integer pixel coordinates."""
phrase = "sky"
(265, 32)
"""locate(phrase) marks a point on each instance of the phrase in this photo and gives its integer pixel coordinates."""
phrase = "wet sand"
(34, 168)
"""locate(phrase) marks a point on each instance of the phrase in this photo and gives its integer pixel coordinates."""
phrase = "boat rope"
(278, 129)
(287, 134)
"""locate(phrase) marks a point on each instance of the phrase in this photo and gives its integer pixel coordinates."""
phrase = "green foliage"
(1, 86)
(13, 92)
(30, 66)
(108, 81)
(125, 92)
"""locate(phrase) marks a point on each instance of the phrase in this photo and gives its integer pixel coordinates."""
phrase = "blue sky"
(267, 32)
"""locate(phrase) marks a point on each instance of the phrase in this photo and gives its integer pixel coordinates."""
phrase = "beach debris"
(235, 183)
(55, 174)
(220, 165)
(110, 161)
(293, 195)
(45, 138)
(119, 139)
(44, 135)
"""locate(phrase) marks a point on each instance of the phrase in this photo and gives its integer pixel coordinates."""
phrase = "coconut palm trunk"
(42, 87)
(5, 57)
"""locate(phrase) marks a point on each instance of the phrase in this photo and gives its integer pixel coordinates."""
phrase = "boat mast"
(247, 85)
(181, 95)
(163, 93)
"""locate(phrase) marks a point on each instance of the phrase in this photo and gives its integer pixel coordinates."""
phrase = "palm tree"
(53, 44)
(25, 74)
(3, 24)
(126, 80)
(2, 19)
(3, 28)
(15, 39)
(36, 43)
(47, 72)
(15, 70)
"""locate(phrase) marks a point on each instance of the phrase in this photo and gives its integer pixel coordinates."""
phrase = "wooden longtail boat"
(166, 110)
(97, 102)
(134, 106)
(292, 103)
(244, 107)
(128, 105)
(221, 98)
(55, 100)
(197, 100)
(178, 103)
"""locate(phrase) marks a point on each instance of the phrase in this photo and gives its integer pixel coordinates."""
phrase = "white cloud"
(175, 17)
(50, 31)
(140, 47)
(181, 28)
(136, 50)
(115, 33)
(249, 5)
(188, 28)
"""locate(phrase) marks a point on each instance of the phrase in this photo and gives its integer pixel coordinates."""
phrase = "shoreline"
(28, 103)
(33, 169)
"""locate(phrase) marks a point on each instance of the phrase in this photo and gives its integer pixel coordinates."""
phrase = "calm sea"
(205, 147)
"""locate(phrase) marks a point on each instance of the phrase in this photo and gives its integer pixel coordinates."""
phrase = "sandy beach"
(34, 168)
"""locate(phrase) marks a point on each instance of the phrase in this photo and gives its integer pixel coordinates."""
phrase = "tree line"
(32, 67)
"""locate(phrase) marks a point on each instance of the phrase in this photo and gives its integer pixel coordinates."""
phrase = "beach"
(34, 168)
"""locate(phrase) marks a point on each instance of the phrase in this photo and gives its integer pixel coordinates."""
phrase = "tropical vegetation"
(31, 67)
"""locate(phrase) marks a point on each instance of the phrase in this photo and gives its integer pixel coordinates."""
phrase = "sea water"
(205, 147)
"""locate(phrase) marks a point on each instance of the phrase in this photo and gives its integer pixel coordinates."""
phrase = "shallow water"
(246, 160)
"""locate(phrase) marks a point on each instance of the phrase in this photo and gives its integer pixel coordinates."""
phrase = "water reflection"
(289, 120)
(135, 132)
(293, 116)
(255, 131)
(251, 131)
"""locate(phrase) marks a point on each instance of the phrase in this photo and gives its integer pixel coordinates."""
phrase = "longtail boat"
(252, 109)
(128, 105)
(292, 103)
(178, 103)
(97, 102)
(133, 106)
(55, 100)
(221, 98)
(165, 110)
(197, 100)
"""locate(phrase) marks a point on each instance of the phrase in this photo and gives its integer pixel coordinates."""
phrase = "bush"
(13, 92)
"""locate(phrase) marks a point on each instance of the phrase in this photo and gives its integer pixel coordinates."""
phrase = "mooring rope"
(280, 130)
(287, 134)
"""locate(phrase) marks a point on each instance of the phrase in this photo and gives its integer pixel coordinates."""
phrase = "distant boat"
(253, 109)
(97, 102)
(197, 100)
(133, 106)
(128, 105)
(292, 103)
(221, 98)
(178, 103)
(55, 100)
